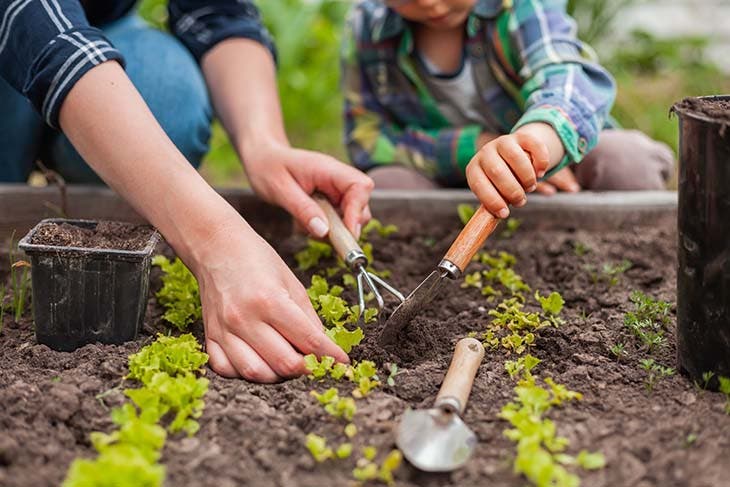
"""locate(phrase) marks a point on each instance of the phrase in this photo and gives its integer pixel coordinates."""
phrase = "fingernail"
(540, 174)
(522, 203)
(503, 213)
(358, 230)
(574, 188)
(532, 188)
(318, 227)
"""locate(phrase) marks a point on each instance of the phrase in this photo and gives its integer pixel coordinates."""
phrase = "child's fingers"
(499, 173)
(482, 187)
(519, 162)
(538, 152)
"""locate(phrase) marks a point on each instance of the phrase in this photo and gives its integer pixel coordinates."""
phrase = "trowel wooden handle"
(457, 384)
(472, 237)
(342, 240)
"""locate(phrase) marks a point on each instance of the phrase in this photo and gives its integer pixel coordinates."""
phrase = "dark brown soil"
(714, 108)
(105, 235)
(253, 435)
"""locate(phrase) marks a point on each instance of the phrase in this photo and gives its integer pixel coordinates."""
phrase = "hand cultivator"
(348, 249)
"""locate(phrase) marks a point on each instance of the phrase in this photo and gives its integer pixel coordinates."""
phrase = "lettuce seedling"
(319, 369)
(120, 465)
(344, 450)
(465, 212)
(367, 470)
(171, 355)
(521, 366)
(510, 228)
(181, 395)
(180, 294)
(345, 338)
(317, 446)
(350, 430)
(374, 224)
(725, 389)
(311, 255)
(339, 407)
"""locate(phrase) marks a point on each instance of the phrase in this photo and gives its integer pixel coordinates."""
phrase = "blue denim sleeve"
(201, 24)
(46, 46)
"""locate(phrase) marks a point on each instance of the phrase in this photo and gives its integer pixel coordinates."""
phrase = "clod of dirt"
(715, 108)
(106, 235)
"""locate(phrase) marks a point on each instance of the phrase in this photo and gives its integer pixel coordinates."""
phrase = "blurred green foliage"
(651, 73)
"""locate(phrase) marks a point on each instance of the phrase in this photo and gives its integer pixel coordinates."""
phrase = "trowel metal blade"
(435, 440)
(407, 310)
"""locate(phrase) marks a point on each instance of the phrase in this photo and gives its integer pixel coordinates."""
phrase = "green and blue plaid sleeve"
(374, 139)
(561, 83)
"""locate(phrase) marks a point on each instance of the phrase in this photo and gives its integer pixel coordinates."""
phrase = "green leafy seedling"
(725, 389)
(618, 350)
(465, 212)
(648, 320)
(317, 446)
(180, 294)
(580, 249)
(612, 272)
(510, 228)
(311, 255)
(654, 373)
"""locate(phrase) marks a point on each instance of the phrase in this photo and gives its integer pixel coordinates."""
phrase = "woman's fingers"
(249, 364)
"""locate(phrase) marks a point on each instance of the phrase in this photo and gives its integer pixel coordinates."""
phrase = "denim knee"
(171, 84)
(21, 129)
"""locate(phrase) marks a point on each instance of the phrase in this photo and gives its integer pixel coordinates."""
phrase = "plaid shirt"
(528, 67)
(46, 46)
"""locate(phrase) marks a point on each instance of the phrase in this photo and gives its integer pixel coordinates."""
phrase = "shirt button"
(582, 145)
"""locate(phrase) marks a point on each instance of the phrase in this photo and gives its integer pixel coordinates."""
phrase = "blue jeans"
(162, 70)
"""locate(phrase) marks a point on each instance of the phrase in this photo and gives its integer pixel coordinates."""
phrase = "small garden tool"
(469, 241)
(348, 249)
(436, 439)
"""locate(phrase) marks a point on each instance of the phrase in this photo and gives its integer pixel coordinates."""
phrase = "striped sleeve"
(562, 85)
(46, 46)
(201, 24)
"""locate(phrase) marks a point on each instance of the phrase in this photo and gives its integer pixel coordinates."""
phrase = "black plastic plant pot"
(85, 295)
(703, 277)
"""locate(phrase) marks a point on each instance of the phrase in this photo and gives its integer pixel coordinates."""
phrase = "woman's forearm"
(110, 125)
(241, 76)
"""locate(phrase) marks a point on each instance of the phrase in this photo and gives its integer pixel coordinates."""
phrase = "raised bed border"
(22, 206)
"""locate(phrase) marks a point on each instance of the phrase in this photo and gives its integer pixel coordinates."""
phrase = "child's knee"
(400, 177)
(626, 160)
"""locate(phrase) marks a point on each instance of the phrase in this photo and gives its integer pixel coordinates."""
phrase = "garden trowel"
(436, 439)
(469, 241)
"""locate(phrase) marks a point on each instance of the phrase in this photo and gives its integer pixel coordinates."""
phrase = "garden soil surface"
(676, 435)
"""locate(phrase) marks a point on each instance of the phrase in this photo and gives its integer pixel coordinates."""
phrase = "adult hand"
(287, 177)
(258, 318)
(563, 180)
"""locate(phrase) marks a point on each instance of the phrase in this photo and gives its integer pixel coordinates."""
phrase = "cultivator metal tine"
(387, 287)
(360, 295)
(371, 285)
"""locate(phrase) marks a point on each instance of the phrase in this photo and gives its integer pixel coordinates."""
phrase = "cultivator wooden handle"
(455, 390)
(342, 240)
(472, 237)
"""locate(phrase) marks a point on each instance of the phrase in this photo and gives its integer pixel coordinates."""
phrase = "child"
(500, 93)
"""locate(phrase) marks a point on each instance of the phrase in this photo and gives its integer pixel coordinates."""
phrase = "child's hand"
(505, 168)
(563, 180)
